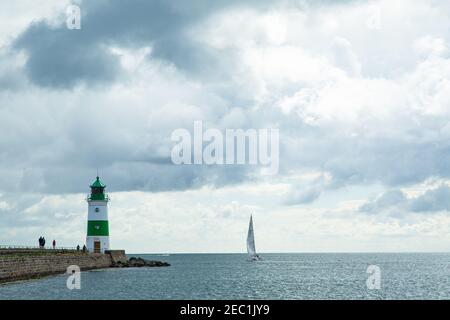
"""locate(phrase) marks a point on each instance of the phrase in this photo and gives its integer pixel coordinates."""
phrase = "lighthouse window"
(97, 190)
(97, 209)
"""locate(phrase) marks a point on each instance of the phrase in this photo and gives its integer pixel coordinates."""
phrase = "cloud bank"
(358, 90)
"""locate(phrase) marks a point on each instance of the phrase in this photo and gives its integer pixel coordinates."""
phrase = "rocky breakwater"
(120, 260)
(139, 262)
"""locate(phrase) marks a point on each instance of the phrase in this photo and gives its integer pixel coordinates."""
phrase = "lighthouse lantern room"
(97, 239)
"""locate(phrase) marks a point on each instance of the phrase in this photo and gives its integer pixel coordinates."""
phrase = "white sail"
(251, 240)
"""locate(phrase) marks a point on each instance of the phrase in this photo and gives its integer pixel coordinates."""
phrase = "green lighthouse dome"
(97, 183)
(98, 190)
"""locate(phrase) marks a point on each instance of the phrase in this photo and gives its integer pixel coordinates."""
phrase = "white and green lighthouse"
(97, 239)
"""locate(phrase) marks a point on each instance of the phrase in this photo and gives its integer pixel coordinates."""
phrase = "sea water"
(278, 276)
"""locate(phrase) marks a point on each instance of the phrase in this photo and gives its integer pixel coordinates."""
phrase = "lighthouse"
(97, 239)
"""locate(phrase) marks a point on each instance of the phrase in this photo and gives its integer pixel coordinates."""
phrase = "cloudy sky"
(359, 90)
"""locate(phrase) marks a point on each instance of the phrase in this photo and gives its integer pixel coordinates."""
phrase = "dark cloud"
(433, 200)
(145, 176)
(392, 161)
(60, 142)
(125, 146)
(389, 199)
(303, 196)
(61, 58)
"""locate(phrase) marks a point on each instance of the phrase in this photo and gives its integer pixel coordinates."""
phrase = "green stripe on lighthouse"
(97, 228)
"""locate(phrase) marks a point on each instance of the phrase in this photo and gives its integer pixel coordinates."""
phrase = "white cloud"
(360, 101)
(216, 220)
(17, 15)
(428, 45)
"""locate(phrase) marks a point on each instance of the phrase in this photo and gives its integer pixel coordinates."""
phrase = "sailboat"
(251, 250)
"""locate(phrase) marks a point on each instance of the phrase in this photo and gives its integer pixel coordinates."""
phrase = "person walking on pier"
(54, 244)
(41, 242)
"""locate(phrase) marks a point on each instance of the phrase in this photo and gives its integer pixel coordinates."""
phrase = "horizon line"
(293, 252)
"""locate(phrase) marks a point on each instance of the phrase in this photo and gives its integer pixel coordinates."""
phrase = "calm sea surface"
(278, 276)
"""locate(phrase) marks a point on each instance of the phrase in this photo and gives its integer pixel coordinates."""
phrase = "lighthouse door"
(97, 247)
